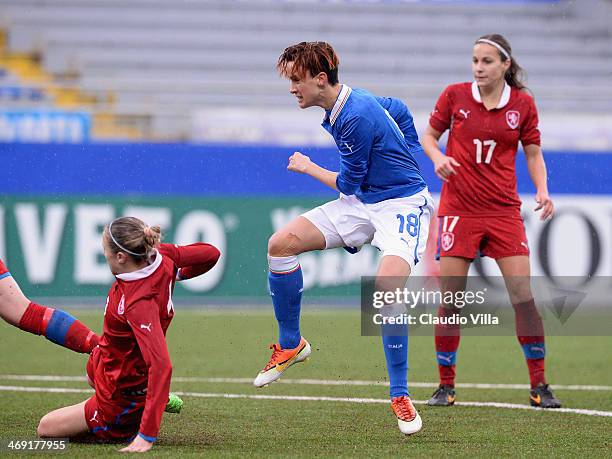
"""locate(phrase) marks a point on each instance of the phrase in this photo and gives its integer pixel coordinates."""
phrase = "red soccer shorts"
(495, 237)
(111, 419)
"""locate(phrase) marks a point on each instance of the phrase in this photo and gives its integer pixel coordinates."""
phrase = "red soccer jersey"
(3, 270)
(133, 351)
(485, 143)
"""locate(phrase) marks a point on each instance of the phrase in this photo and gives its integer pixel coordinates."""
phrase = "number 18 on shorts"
(397, 226)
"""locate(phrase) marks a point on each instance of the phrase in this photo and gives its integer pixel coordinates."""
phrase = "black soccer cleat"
(542, 397)
(443, 396)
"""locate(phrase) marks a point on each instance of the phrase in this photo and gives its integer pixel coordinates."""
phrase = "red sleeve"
(440, 118)
(143, 317)
(193, 259)
(530, 134)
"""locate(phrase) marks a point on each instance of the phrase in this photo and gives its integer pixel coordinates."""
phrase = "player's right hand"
(444, 167)
(299, 162)
(138, 445)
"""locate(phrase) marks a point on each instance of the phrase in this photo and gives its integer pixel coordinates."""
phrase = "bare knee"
(284, 244)
(45, 426)
(520, 296)
(393, 271)
(519, 290)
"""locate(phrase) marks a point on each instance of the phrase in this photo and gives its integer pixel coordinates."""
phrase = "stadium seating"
(168, 59)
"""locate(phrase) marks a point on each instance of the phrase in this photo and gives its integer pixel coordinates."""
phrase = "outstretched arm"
(193, 259)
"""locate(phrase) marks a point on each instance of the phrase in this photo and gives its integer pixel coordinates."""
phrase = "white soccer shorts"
(397, 226)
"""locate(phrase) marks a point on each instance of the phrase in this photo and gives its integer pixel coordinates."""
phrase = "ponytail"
(132, 236)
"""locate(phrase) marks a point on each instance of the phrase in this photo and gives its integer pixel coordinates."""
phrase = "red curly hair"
(314, 57)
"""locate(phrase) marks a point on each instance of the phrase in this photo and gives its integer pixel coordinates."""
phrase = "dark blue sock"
(286, 290)
(395, 344)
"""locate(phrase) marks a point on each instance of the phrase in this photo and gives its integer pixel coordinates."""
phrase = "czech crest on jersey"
(121, 307)
(512, 118)
(447, 240)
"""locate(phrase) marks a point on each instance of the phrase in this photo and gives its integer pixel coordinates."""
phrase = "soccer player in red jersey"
(56, 325)
(480, 207)
(130, 369)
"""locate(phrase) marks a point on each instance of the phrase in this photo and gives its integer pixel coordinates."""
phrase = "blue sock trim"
(446, 359)
(58, 326)
(149, 439)
(6, 274)
(534, 350)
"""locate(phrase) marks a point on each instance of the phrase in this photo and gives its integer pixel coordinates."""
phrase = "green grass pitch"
(233, 344)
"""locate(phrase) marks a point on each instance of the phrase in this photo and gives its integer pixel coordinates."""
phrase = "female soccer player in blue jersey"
(383, 201)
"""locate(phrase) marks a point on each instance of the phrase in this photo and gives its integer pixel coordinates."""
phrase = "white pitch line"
(512, 406)
(318, 382)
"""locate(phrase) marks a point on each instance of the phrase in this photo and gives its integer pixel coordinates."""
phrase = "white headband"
(498, 46)
(110, 233)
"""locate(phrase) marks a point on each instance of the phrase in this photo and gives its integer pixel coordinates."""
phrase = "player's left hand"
(138, 445)
(545, 204)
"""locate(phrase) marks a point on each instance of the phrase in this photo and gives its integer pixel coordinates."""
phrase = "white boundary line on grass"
(512, 406)
(316, 382)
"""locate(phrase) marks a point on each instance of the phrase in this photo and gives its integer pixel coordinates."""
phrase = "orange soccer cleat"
(281, 360)
(408, 419)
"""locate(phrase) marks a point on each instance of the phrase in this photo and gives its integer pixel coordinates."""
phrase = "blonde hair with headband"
(132, 236)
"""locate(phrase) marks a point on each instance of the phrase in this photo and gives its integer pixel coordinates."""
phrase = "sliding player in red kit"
(480, 209)
(130, 369)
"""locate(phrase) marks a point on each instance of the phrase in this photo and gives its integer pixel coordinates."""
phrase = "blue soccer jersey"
(377, 142)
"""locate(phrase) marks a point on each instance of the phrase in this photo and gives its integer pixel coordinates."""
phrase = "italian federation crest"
(512, 118)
